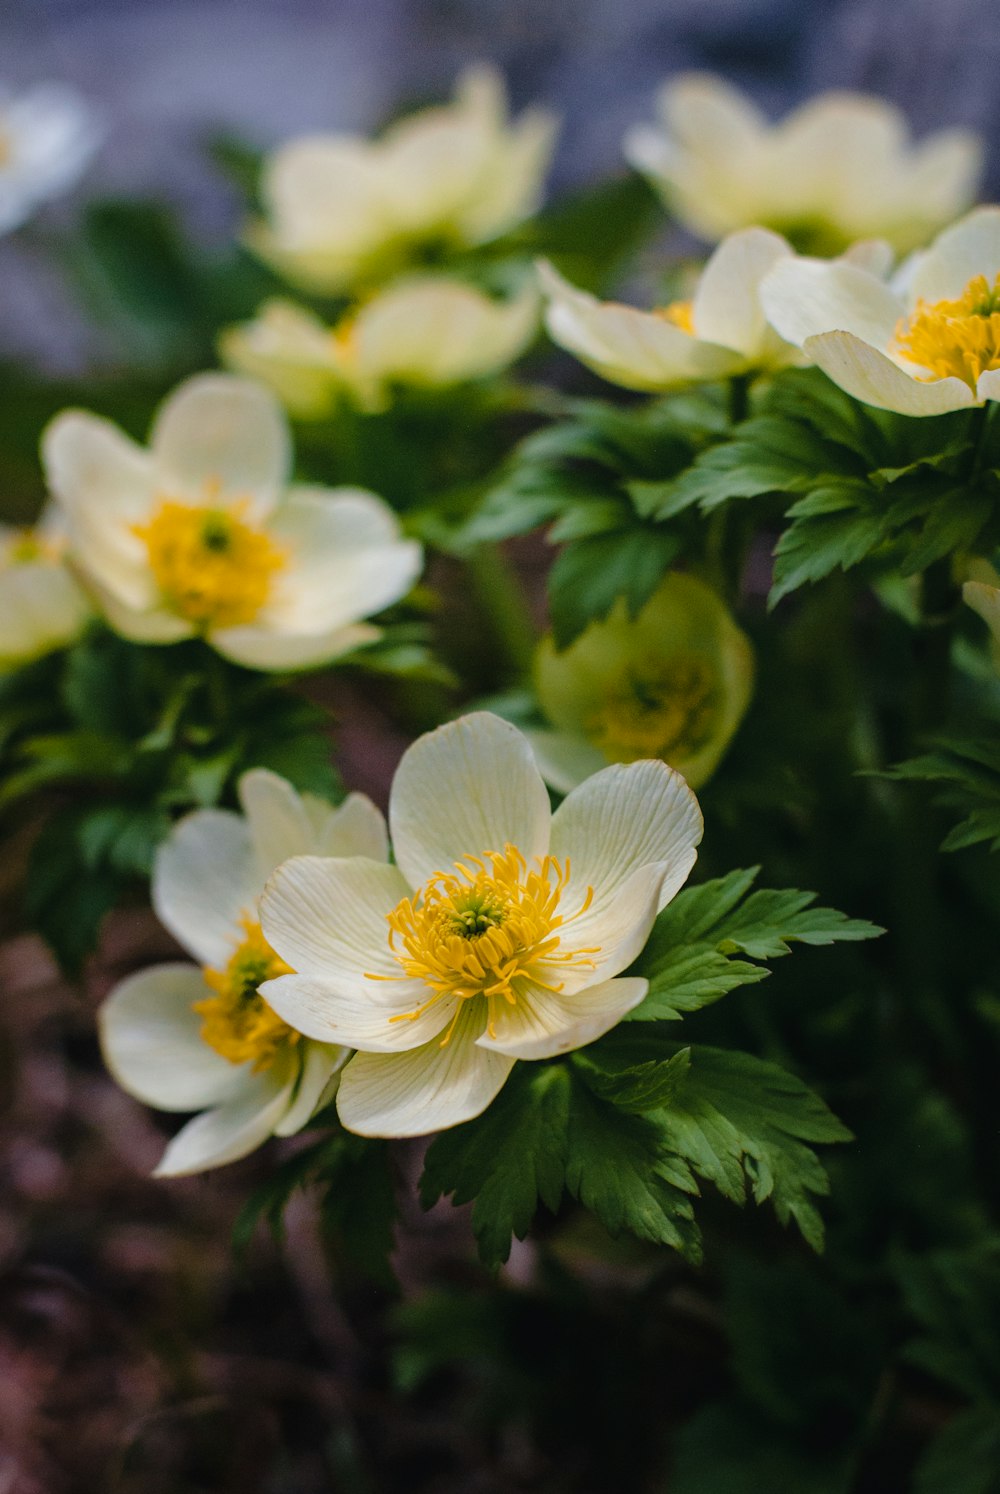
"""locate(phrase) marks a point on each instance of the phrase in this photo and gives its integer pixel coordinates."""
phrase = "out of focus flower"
(342, 210)
(500, 933)
(427, 332)
(984, 598)
(200, 534)
(48, 136)
(841, 167)
(927, 343)
(721, 331)
(184, 1038)
(672, 683)
(42, 606)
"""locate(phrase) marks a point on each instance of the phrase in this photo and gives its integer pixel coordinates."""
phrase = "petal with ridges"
(870, 376)
(326, 917)
(544, 1024)
(205, 879)
(226, 1134)
(321, 1065)
(222, 436)
(375, 1018)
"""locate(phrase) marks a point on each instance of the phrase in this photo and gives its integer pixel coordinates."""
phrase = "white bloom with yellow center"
(672, 682)
(341, 209)
(927, 343)
(48, 136)
(426, 332)
(201, 534)
(719, 333)
(840, 167)
(42, 605)
(185, 1038)
(499, 934)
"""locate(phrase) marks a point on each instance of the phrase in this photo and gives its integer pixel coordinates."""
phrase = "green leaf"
(358, 1204)
(636, 1088)
(589, 575)
(590, 235)
(813, 547)
(965, 1457)
(507, 1160)
(955, 1296)
(65, 898)
(727, 1449)
(967, 772)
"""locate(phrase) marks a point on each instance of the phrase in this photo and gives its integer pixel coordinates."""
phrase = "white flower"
(841, 167)
(47, 138)
(926, 343)
(184, 1038)
(340, 208)
(200, 534)
(42, 606)
(720, 332)
(499, 934)
(425, 332)
(984, 597)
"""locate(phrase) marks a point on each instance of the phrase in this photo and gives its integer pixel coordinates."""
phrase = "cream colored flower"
(200, 1037)
(48, 136)
(340, 209)
(926, 343)
(839, 168)
(201, 535)
(722, 331)
(42, 606)
(984, 598)
(500, 933)
(672, 683)
(426, 332)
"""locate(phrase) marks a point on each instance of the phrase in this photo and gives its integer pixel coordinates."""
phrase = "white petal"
(985, 600)
(150, 1039)
(228, 1133)
(317, 1085)
(205, 879)
(870, 376)
(148, 624)
(968, 248)
(284, 653)
(105, 485)
(726, 308)
(615, 927)
(425, 1090)
(544, 1024)
(221, 436)
(564, 760)
(627, 816)
(514, 188)
(42, 608)
(374, 1020)
(805, 297)
(636, 349)
(347, 560)
(327, 918)
(357, 828)
(278, 821)
(468, 788)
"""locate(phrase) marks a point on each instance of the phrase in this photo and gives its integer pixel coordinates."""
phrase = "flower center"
(955, 338)
(663, 712)
(681, 314)
(237, 1021)
(487, 929)
(25, 546)
(212, 567)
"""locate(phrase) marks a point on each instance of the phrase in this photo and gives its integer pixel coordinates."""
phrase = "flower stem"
(501, 599)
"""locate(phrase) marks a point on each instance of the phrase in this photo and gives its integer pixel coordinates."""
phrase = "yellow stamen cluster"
(663, 711)
(211, 566)
(237, 1021)
(681, 314)
(959, 339)
(486, 929)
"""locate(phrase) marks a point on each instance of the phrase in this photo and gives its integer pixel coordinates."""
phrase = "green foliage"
(966, 772)
(866, 484)
(965, 1457)
(590, 235)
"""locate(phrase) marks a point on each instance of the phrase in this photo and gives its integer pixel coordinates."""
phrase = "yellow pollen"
(959, 339)
(27, 545)
(237, 1021)
(681, 313)
(487, 929)
(212, 567)
(663, 711)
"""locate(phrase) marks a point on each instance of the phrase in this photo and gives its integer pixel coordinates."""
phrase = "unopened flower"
(671, 683)
(201, 1037)
(201, 534)
(426, 332)
(48, 136)
(341, 209)
(720, 332)
(840, 167)
(926, 343)
(42, 605)
(499, 934)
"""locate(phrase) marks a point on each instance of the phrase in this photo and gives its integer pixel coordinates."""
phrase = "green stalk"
(503, 604)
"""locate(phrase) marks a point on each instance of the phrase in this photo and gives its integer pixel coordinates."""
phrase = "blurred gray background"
(167, 73)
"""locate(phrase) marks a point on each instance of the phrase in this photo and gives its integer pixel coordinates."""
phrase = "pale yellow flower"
(341, 209)
(42, 605)
(839, 168)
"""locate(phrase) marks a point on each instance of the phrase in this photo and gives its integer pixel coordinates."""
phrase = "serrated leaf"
(636, 1088)
(590, 575)
(688, 978)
